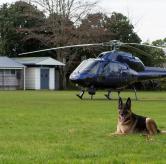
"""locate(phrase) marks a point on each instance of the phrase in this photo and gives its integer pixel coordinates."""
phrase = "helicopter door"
(124, 74)
(110, 75)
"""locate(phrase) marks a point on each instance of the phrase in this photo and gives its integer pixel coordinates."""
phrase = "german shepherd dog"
(128, 122)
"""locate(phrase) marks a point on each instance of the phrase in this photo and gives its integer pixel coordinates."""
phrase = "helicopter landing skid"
(118, 94)
(81, 94)
(108, 96)
(135, 91)
(92, 91)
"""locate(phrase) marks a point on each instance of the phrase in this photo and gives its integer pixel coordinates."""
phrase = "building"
(29, 73)
(11, 74)
(40, 72)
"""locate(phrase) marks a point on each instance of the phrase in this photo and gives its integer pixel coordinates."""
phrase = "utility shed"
(41, 72)
(12, 74)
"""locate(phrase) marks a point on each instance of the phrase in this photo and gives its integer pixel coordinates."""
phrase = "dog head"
(124, 109)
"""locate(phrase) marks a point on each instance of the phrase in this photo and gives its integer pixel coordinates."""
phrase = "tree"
(70, 9)
(63, 15)
(159, 42)
(160, 53)
(19, 28)
(93, 29)
(99, 27)
(122, 29)
(24, 28)
(59, 37)
(6, 30)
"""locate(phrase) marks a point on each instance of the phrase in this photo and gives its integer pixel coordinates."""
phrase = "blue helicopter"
(111, 70)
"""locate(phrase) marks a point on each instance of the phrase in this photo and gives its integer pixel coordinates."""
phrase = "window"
(95, 68)
(110, 68)
(10, 72)
(106, 69)
(114, 67)
(90, 65)
(13, 72)
(7, 72)
(83, 65)
(1, 72)
(122, 67)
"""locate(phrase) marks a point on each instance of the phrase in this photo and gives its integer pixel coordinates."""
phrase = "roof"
(6, 62)
(38, 61)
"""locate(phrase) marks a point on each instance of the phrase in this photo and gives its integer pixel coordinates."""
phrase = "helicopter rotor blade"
(145, 45)
(114, 44)
(63, 47)
(136, 50)
(104, 44)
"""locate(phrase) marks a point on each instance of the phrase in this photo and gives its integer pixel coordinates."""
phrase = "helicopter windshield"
(89, 65)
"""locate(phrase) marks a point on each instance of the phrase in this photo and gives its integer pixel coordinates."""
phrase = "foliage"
(93, 29)
(122, 29)
(61, 30)
(63, 16)
(23, 27)
(19, 27)
(99, 27)
(159, 42)
(28, 28)
(57, 127)
(73, 10)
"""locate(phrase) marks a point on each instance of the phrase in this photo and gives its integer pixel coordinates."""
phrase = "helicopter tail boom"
(152, 73)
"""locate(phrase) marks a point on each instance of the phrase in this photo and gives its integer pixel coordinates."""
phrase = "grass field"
(56, 127)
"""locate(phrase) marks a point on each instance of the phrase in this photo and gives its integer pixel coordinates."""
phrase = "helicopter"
(111, 70)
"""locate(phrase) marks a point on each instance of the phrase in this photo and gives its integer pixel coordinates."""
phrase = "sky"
(147, 16)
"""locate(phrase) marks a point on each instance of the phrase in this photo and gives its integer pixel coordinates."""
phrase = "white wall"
(37, 78)
(52, 78)
(32, 78)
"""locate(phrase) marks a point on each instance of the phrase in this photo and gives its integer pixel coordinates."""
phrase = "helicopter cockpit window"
(94, 68)
(90, 66)
(114, 67)
(110, 68)
(122, 67)
(81, 66)
(105, 69)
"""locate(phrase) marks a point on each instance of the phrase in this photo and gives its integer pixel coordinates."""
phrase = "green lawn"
(56, 127)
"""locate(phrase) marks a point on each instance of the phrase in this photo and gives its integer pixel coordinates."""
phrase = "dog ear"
(120, 103)
(128, 103)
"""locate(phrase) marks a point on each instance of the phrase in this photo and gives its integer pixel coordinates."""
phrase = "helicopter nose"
(75, 78)
(78, 78)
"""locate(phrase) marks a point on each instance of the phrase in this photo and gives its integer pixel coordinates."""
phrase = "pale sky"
(147, 16)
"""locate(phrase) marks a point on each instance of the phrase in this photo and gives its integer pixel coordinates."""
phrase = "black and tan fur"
(128, 122)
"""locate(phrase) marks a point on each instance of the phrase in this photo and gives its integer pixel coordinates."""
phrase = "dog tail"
(163, 131)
